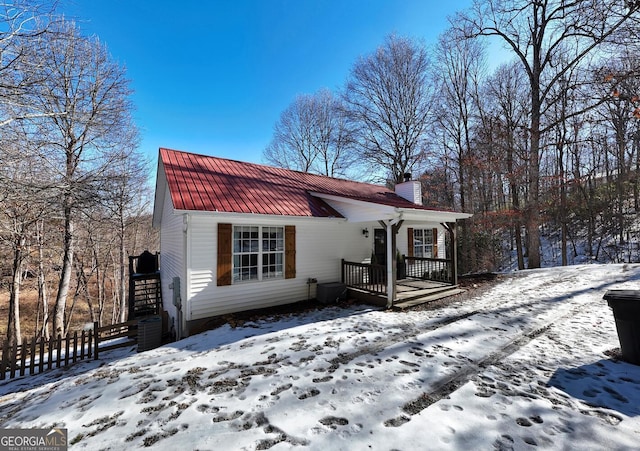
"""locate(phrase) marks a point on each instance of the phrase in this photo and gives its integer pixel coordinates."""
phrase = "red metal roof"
(206, 183)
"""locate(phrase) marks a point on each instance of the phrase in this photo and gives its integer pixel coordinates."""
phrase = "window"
(423, 243)
(258, 253)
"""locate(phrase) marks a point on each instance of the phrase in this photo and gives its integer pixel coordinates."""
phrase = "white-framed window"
(423, 243)
(258, 253)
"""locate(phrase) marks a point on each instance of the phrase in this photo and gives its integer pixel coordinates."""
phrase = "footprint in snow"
(280, 389)
(322, 379)
(410, 364)
(333, 422)
(447, 407)
(397, 422)
(607, 417)
(206, 408)
(591, 393)
(228, 417)
(503, 443)
(309, 394)
(485, 393)
(617, 396)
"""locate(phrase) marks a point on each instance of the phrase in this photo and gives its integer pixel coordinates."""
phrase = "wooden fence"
(39, 355)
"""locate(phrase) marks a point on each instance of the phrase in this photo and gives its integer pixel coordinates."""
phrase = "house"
(239, 236)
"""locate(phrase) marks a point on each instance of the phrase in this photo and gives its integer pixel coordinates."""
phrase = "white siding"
(188, 250)
(412, 191)
(320, 246)
(171, 256)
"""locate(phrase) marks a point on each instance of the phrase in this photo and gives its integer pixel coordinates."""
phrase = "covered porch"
(424, 280)
(407, 280)
(417, 270)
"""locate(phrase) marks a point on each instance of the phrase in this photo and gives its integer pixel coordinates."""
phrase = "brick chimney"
(410, 190)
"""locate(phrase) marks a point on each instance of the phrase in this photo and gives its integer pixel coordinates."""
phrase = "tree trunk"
(121, 279)
(115, 314)
(620, 191)
(533, 207)
(14, 335)
(101, 294)
(465, 254)
(636, 174)
(563, 205)
(515, 202)
(83, 288)
(65, 276)
(43, 297)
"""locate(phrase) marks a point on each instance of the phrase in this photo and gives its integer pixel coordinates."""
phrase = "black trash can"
(626, 311)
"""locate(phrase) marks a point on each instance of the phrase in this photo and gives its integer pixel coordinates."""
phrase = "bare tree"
(82, 145)
(620, 112)
(388, 101)
(22, 205)
(291, 146)
(312, 135)
(541, 34)
(459, 71)
(333, 137)
(460, 67)
(126, 198)
(22, 25)
(504, 90)
(561, 136)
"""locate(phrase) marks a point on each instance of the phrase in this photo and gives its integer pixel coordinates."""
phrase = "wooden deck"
(410, 292)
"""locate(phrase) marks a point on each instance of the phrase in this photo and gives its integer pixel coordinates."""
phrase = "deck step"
(408, 294)
(427, 298)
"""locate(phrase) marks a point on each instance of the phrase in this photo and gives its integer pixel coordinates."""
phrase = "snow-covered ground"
(525, 365)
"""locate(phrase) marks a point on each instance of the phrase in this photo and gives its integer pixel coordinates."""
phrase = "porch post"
(451, 228)
(391, 265)
(392, 228)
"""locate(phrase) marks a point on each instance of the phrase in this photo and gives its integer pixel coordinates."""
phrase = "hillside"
(529, 362)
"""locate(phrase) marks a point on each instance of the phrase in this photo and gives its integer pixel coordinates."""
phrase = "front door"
(380, 246)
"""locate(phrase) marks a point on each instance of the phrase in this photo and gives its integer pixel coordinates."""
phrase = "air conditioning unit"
(149, 333)
(330, 293)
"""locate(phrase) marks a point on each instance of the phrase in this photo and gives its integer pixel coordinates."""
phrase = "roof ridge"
(263, 165)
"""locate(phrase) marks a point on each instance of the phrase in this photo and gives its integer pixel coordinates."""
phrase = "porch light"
(365, 233)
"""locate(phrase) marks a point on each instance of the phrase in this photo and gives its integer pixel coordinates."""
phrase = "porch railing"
(365, 276)
(373, 278)
(436, 269)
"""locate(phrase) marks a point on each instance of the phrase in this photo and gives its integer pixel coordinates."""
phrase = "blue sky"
(213, 77)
